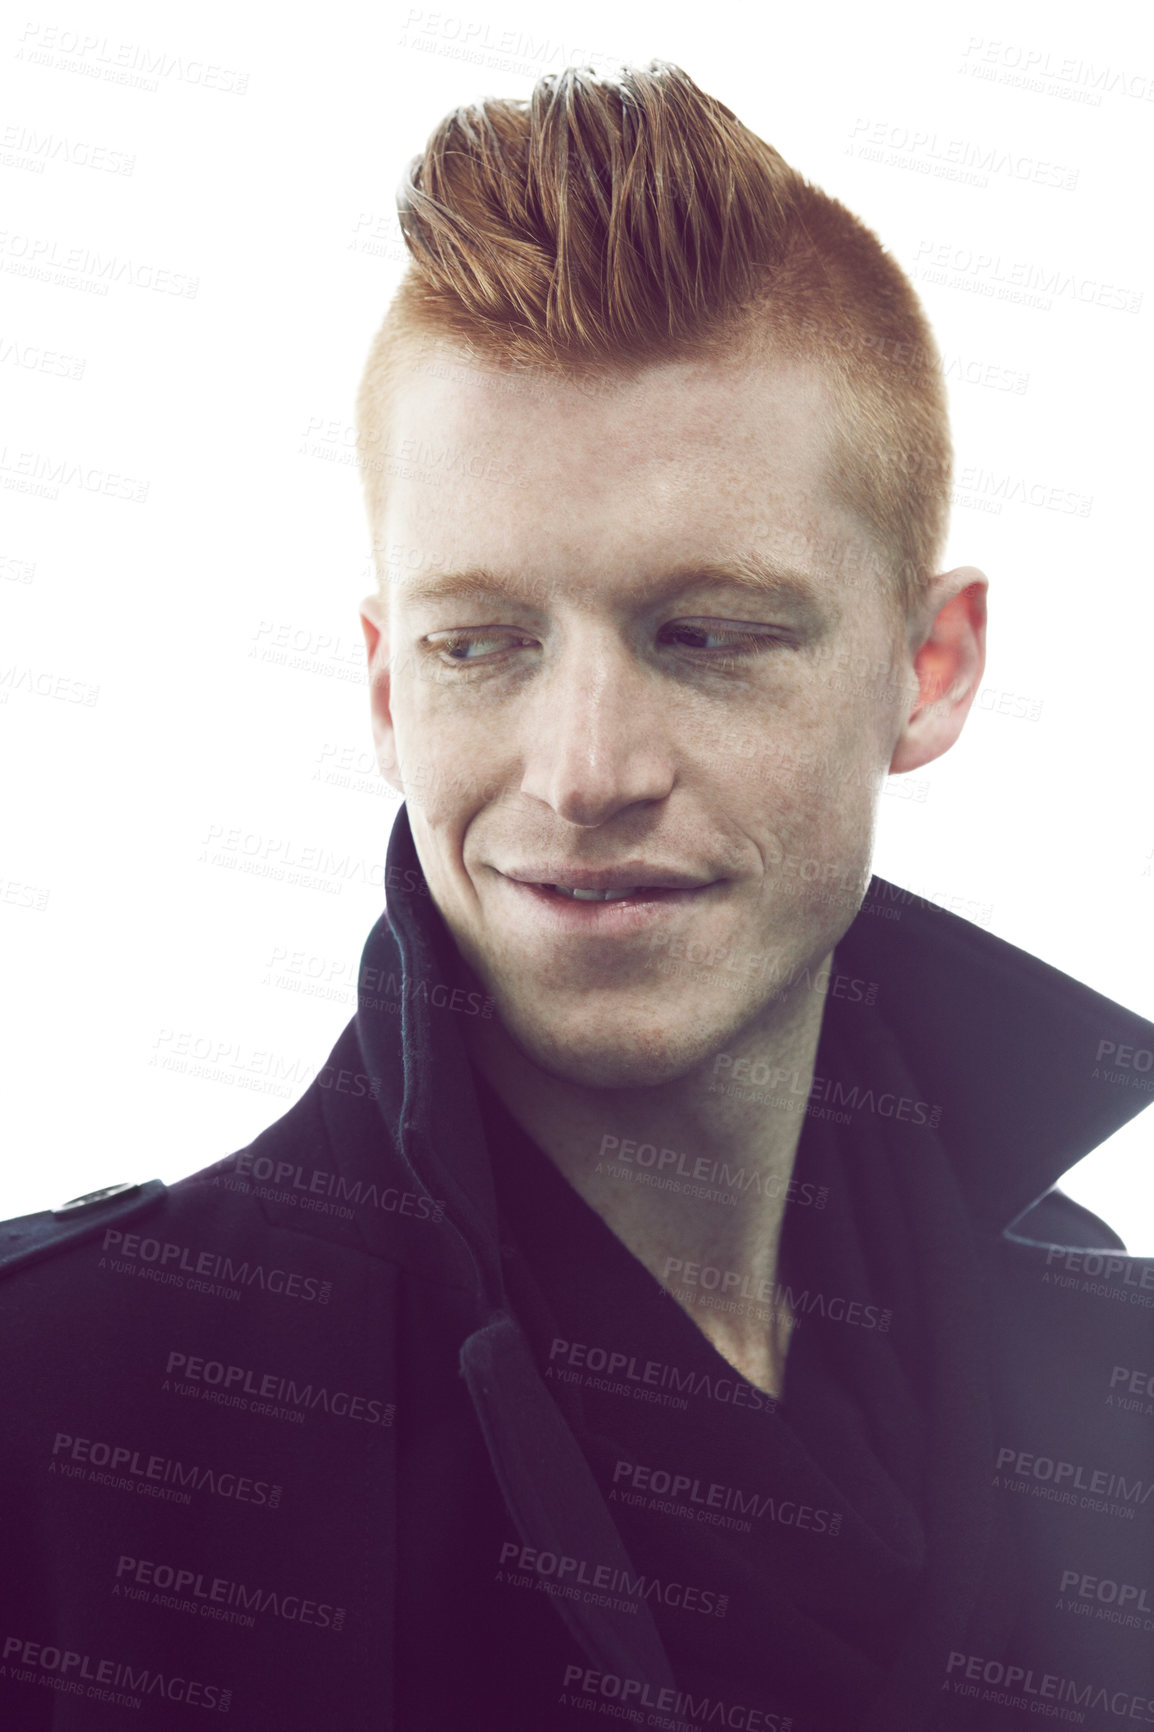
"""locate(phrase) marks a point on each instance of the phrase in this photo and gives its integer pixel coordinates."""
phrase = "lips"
(596, 895)
(606, 906)
(607, 885)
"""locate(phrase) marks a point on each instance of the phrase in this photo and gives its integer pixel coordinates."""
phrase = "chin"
(612, 1057)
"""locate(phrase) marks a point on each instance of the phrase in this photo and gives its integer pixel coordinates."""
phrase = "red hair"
(607, 222)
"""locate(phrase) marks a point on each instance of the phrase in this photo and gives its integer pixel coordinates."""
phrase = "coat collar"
(1006, 1045)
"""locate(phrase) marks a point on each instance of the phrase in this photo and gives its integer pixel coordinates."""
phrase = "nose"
(597, 733)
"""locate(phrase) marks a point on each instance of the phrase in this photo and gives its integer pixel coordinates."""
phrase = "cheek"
(811, 805)
(825, 834)
(819, 766)
(444, 803)
(436, 837)
(438, 768)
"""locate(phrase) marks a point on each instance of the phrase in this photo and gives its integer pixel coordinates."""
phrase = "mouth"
(607, 901)
(615, 908)
(607, 884)
(597, 895)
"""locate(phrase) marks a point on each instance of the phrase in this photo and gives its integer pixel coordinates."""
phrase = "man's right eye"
(463, 648)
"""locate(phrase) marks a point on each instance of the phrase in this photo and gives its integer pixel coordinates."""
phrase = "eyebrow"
(766, 578)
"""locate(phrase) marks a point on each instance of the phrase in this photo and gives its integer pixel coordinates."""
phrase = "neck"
(691, 1175)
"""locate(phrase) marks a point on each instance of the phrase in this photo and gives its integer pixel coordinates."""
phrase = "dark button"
(91, 1198)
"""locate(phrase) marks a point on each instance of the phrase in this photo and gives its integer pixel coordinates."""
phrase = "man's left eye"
(711, 635)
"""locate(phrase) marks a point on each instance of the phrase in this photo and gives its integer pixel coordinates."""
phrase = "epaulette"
(27, 1238)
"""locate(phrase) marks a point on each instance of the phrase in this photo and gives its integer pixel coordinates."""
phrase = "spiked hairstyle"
(607, 222)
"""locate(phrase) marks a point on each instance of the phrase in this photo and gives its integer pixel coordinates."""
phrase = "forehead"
(618, 474)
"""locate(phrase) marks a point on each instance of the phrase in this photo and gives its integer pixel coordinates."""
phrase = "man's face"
(635, 644)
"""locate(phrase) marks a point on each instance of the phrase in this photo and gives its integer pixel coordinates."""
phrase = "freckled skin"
(606, 749)
(607, 710)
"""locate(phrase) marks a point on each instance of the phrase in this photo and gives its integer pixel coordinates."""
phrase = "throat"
(755, 1342)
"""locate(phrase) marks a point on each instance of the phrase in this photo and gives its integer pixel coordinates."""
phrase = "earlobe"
(948, 664)
(374, 625)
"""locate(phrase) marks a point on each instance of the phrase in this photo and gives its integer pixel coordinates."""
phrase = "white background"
(251, 162)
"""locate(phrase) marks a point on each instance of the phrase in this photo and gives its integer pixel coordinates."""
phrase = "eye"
(718, 639)
(466, 648)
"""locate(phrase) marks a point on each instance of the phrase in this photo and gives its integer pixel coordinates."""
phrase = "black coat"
(264, 1427)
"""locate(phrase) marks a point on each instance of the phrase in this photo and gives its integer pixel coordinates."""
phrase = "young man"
(660, 1305)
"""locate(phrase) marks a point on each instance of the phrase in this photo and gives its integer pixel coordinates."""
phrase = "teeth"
(596, 895)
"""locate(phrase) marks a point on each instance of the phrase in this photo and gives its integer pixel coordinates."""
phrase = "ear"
(375, 625)
(949, 658)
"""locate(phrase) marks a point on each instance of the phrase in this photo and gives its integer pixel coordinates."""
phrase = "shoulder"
(1069, 1300)
(152, 1211)
(33, 1238)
